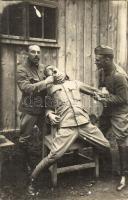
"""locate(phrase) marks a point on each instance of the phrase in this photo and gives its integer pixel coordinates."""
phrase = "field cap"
(103, 50)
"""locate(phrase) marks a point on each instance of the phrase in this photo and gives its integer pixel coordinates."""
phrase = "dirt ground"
(79, 185)
(71, 186)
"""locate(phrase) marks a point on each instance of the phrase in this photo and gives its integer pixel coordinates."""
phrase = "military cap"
(103, 50)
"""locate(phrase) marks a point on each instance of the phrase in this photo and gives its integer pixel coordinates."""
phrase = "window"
(28, 21)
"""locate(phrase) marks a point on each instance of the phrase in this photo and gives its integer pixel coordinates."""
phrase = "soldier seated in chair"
(69, 116)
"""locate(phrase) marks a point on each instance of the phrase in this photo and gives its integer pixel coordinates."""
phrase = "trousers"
(27, 124)
(27, 130)
(64, 138)
(123, 156)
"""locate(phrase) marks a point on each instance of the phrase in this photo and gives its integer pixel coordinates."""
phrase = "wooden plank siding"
(103, 21)
(95, 41)
(87, 49)
(82, 25)
(112, 26)
(8, 87)
(61, 35)
(70, 37)
(80, 42)
(122, 35)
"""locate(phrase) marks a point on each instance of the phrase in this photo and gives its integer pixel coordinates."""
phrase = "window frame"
(26, 39)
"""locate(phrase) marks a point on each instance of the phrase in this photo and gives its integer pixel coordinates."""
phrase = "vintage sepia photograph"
(63, 99)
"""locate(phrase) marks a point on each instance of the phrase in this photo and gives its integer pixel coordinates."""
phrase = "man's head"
(34, 54)
(50, 70)
(104, 57)
(59, 76)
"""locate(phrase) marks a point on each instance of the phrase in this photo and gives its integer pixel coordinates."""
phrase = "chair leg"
(54, 174)
(97, 166)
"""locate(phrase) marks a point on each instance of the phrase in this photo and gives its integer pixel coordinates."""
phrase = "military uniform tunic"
(117, 103)
(30, 80)
(74, 120)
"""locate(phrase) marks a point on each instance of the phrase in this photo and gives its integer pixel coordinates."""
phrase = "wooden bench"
(77, 149)
(5, 144)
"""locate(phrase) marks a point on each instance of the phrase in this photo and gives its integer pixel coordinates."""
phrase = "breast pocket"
(76, 95)
(75, 92)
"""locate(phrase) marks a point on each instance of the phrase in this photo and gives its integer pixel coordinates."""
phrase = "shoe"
(121, 186)
(32, 190)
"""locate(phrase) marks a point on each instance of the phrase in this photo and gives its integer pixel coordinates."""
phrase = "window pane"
(35, 21)
(12, 20)
(50, 23)
(16, 20)
(4, 21)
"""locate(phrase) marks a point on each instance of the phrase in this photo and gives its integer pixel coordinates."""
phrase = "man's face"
(100, 61)
(34, 54)
(53, 71)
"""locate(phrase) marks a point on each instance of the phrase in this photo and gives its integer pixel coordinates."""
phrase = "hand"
(104, 91)
(96, 96)
(49, 80)
(54, 119)
(100, 99)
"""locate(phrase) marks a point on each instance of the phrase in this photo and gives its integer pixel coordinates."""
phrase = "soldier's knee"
(53, 156)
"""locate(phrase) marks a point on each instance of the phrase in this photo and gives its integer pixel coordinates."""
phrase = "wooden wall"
(82, 25)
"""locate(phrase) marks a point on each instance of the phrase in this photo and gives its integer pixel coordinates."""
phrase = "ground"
(78, 185)
(71, 186)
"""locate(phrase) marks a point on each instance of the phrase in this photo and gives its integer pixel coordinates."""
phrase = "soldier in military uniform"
(71, 119)
(115, 104)
(30, 79)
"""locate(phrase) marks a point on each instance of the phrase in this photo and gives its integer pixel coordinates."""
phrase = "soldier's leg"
(44, 129)
(114, 151)
(26, 128)
(123, 155)
(93, 134)
(64, 137)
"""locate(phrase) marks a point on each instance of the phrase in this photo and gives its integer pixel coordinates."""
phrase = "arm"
(89, 90)
(120, 95)
(26, 86)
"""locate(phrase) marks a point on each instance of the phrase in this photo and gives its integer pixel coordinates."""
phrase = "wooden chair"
(77, 149)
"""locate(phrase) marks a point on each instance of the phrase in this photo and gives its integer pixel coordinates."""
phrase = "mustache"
(36, 58)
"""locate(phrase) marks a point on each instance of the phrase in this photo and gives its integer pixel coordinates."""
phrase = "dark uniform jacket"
(117, 85)
(114, 119)
(30, 80)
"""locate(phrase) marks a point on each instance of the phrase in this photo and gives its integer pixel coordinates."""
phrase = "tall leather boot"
(26, 158)
(32, 188)
(43, 164)
(123, 160)
(123, 167)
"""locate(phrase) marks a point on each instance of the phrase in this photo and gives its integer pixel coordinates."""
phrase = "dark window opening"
(16, 20)
(12, 20)
(35, 21)
(4, 24)
(49, 23)
(28, 20)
